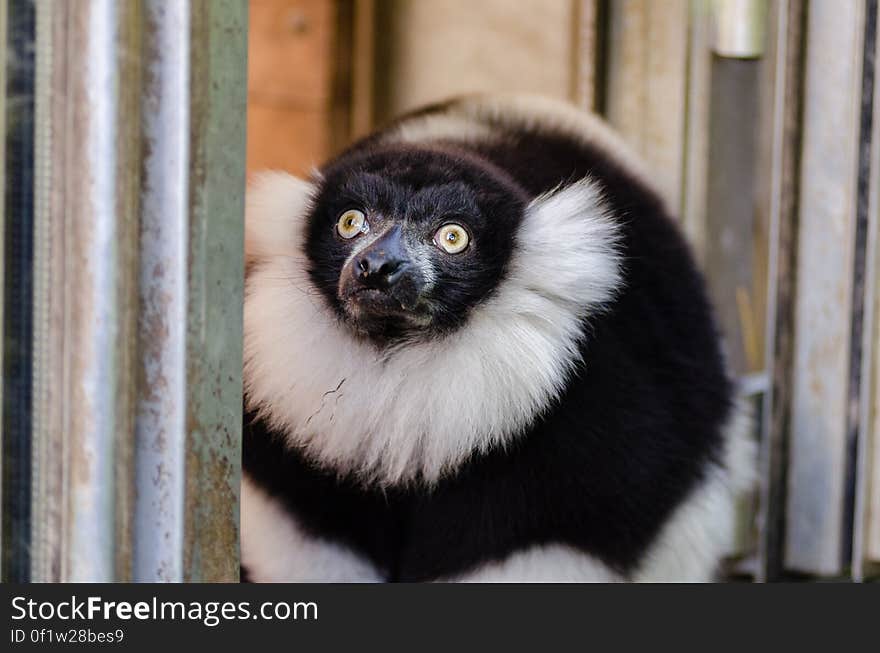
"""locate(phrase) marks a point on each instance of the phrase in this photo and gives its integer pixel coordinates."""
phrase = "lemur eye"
(451, 238)
(352, 223)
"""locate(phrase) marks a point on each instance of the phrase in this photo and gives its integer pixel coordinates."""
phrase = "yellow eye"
(352, 223)
(451, 238)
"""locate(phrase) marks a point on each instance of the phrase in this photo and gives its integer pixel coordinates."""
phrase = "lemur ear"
(274, 210)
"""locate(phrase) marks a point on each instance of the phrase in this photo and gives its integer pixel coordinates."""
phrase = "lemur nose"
(379, 271)
(383, 263)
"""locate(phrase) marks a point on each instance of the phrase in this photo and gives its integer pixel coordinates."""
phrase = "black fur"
(605, 467)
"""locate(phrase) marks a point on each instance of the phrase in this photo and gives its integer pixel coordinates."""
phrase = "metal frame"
(866, 526)
(817, 485)
(137, 389)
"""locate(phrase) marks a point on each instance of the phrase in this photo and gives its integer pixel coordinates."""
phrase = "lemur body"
(477, 348)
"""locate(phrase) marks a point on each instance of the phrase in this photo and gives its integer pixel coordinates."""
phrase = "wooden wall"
(315, 82)
(300, 80)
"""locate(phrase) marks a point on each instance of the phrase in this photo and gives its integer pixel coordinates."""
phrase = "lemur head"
(404, 243)
(411, 304)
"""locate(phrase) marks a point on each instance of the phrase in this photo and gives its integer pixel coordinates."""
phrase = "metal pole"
(164, 234)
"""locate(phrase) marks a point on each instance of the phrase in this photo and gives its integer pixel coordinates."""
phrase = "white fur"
(434, 127)
(274, 548)
(421, 409)
(554, 563)
(701, 531)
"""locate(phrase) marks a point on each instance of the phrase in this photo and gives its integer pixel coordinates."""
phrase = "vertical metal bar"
(819, 439)
(18, 291)
(787, 77)
(866, 522)
(218, 91)
(50, 500)
(647, 82)
(43, 508)
(161, 410)
(100, 174)
(4, 7)
(139, 375)
(93, 250)
(740, 26)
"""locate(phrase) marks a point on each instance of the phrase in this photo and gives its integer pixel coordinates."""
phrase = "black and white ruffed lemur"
(477, 348)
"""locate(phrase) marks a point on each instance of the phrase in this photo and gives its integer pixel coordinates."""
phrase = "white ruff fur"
(421, 409)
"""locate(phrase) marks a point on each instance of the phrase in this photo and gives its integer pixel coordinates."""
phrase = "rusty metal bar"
(86, 174)
(191, 284)
(218, 95)
(164, 242)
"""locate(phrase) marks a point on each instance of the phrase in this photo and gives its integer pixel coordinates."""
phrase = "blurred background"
(130, 129)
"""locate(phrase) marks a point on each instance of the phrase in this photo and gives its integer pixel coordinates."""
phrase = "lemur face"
(403, 246)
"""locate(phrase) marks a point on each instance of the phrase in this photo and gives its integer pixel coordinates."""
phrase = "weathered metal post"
(138, 377)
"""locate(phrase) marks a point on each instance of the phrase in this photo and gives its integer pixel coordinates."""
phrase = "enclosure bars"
(17, 305)
(138, 379)
(160, 463)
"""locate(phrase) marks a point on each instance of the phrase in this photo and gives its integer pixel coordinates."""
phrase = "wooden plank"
(816, 489)
(363, 67)
(280, 139)
(298, 107)
(290, 52)
(587, 42)
(432, 50)
(647, 85)
(696, 146)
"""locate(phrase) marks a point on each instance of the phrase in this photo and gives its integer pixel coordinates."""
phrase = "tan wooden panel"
(587, 40)
(647, 85)
(696, 145)
(428, 51)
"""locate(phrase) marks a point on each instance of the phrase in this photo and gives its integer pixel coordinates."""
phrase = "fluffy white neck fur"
(421, 410)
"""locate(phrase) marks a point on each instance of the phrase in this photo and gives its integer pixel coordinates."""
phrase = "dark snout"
(382, 281)
(383, 263)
